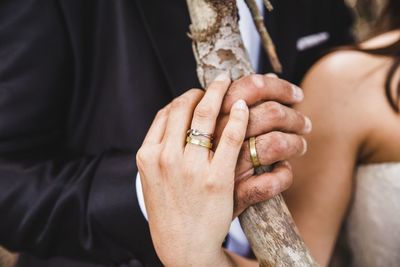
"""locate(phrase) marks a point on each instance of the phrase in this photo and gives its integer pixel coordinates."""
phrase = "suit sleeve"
(82, 208)
(52, 202)
(334, 19)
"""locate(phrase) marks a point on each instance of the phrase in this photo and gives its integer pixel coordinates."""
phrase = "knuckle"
(233, 138)
(204, 111)
(179, 102)
(256, 81)
(212, 185)
(166, 159)
(278, 145)
(275, 111)
(249, 81)
(143, 157)
(195, 92)
(140, 160)
(163, 112)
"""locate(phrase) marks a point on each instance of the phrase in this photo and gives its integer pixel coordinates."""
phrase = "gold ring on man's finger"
(253, 152)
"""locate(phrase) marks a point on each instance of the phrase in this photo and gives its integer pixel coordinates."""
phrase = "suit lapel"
(167, 23)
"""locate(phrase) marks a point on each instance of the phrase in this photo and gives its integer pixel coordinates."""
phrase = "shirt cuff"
(139, 194)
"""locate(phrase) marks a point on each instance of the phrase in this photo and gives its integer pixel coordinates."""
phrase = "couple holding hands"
(198, 159)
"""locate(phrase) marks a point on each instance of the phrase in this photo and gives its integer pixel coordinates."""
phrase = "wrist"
(220, 258)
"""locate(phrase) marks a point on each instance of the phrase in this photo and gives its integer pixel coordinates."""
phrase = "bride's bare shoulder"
(346, 88)
(348, 69)
(349, 65)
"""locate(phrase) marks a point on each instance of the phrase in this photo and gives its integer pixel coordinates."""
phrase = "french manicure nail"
(240, 104)
(297, 93)
(222, 77)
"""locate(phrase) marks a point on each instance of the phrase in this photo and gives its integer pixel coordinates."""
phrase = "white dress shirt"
(236, 241)
(251, 38)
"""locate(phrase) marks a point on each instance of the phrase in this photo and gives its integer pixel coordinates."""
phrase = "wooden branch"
(265, 36)
(268, 5)
(217, 43)
(218, 47)
(273, 235)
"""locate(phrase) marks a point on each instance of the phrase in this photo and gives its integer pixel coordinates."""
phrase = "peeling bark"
(273, 235)
(217, 43)
(218, 47)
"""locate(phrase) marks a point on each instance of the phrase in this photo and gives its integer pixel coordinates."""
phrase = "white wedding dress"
(372, 229)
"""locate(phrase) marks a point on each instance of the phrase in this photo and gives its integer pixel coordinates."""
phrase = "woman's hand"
(188, 189)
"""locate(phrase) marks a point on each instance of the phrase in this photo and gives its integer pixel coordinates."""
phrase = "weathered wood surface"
(273, 235)
(217, 43)
(218, 47)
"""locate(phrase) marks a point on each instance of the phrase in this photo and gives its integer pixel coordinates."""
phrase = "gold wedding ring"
(198, 142)
(253, 152)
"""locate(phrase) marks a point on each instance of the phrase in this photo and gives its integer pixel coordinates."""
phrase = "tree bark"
(218, 47)
(217, 43)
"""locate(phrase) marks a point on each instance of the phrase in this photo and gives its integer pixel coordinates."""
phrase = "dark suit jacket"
(80, 81)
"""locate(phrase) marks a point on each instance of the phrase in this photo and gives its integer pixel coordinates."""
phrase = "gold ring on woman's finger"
(198, 142)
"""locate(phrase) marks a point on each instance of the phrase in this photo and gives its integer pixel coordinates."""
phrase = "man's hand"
(278, 130)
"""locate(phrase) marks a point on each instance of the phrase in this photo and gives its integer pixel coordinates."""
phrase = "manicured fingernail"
(297, 93)
(240, 104)
(223, 77)
(307, 125)
(305, 147)
(271, 75)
